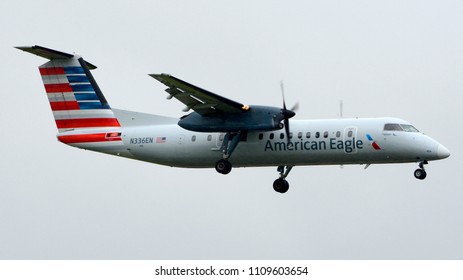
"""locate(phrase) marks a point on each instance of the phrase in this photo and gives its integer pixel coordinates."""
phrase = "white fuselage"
(313, 142)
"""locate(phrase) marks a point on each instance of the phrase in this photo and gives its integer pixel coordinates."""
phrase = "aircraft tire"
(281, 185)
(420, 174)
(223, 166)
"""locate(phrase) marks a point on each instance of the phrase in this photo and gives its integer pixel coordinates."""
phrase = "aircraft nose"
(442, 152)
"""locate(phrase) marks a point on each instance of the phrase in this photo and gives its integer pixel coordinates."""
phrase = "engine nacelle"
(257, 118)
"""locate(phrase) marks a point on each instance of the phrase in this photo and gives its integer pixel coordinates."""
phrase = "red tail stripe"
(51, 71)
(52, 88)
(65, 105)
(96, 122)
(97, 137)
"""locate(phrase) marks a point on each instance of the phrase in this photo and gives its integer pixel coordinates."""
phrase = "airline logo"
(373, 142)
(73, 100)
(77, 105)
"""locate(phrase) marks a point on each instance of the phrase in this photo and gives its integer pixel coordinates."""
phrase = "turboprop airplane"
(220, 132)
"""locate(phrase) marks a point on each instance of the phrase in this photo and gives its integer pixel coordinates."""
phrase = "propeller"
(287, 114)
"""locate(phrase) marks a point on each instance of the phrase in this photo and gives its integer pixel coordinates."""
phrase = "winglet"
(51, 54)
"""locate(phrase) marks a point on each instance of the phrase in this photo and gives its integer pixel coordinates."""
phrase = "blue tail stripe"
(73, 70)
(92, 105)
(86, 96)
(78, 79)
(82, 87)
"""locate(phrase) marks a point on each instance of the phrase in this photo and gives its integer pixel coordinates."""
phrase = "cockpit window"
(392, 127)
(409, 128)
(400, 127)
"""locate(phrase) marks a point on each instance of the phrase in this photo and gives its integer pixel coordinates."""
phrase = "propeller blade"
(282, 86)
(287, 114)
(295, 107)
(286, 122)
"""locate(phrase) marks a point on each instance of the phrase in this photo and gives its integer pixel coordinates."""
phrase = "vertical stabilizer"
(82, 113)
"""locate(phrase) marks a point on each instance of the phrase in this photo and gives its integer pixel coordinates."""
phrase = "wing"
(197, 99)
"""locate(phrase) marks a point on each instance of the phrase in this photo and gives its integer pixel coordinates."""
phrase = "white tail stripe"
(79, 130)
(83, 114)
(61, 97)
(55, 79)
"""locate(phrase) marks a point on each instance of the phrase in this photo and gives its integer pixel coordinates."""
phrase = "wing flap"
(197, 99)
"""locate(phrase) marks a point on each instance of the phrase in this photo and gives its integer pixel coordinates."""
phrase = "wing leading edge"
(197, 99)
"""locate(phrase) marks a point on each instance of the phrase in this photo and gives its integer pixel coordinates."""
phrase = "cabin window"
(338, 134)
(299, 135)
(221, 136)
(307, 135)
(209, 137)
(325, 134)
(261, 136)
(271, 136)
(282, 136)
(350, 133)
(193, 138)
(317, 134)
(290, 135)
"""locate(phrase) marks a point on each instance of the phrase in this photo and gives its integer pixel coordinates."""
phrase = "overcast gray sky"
(382, 58)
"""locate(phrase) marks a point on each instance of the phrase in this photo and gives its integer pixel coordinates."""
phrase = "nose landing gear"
(420, 173)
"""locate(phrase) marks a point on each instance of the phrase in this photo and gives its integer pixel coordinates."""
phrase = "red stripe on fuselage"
(78, 123)
(82, 138)
(375, 146)
(52, 88)
(51, 71)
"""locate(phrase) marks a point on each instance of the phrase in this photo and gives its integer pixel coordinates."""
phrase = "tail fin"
(75, 98)
(82, 114)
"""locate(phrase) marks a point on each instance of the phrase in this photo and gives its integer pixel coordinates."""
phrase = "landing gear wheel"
(420, 174)
(223, 166)
(281, 185)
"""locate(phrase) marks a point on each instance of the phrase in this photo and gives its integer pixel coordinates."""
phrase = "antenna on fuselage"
(341, 109)
(341, 116)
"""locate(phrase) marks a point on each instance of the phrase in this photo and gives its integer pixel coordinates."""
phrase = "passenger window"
(193, 138)
(392, 127)
(261, 136)
(349, 134)
(299, 135)
(290, 135)
(325, 134)
(338, 134)
(282, 136)
(271, 136)
(307, 135)
(317, 134)
(209, 137)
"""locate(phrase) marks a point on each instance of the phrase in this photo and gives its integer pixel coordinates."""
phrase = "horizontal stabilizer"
(50, 54)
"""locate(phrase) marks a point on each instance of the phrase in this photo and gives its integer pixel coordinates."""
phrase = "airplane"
(220, 132)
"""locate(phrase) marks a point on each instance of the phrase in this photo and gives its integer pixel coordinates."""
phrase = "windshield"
(400, 127)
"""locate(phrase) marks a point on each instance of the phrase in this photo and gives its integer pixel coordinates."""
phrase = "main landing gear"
(229, 144)
(420, 173)
(281, 185)
(223, 166)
